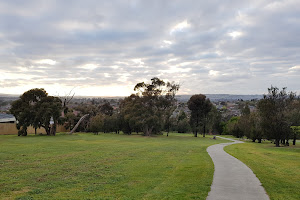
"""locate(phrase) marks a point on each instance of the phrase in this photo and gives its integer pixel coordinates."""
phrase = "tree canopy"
(273, 111)
(200, 106)
(149, 107)
(35, 108)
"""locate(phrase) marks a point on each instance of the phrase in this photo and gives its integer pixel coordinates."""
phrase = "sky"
(103, 48)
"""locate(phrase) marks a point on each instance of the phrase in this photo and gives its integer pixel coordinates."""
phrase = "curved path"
(233, 180)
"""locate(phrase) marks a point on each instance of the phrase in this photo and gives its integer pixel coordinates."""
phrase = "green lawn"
(278, 168)
(105, 166)
(231, 137)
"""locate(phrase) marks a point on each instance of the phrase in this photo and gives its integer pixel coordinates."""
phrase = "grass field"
(231, 137)
(278, 168)
(105, 166)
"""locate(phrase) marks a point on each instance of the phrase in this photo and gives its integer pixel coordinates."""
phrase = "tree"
(149, 107)
(273, 113)
(200, 107)
(106, 109)
(233, 127)
(251, 126)
(183, 125)
(97, 123)
(214, 121)
(35, 108)
(49, 108)
(246, 110)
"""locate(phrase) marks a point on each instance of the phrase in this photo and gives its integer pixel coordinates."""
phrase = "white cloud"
(180, 27)
(295, 67)
(89, 66)
(168, 42)
(213, 73)
(138, 61)
(235, 34)
(46, 61)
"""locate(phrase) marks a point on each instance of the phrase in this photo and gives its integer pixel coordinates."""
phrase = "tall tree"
(273, 113)
(200, 106)
(148, 108)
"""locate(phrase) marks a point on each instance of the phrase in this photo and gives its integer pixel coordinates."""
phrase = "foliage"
(149, 108)
(35, 108)
(273, 111)
(215, 121)
(228, 127)
(251, 126)
(183, 126)
(106, 109)
(246, 110)
(200, 107)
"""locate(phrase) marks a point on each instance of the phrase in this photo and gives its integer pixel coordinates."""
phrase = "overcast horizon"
(103, 48)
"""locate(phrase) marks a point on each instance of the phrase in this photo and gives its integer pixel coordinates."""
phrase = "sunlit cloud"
(235, 34)
(46, 61)
(89, 66)
(180, 27)
(213, 73)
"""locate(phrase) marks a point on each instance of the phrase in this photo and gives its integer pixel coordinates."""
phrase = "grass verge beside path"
(105, 166)
(278, 168)
(231, 137)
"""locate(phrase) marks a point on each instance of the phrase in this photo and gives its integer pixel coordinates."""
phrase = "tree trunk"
(259, 140)
(294, 139)
(47, 130)
(195, 134)
(277, 141)
(204, 130)
(253, 139)
(287, 143)
(76, 126)
(35, 131)
(53, 129)
(147, 131)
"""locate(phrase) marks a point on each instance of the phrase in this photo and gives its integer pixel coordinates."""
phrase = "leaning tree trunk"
(78, 123)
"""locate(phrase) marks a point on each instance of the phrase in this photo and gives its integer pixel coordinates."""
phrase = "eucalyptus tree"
(200, 106)
(149, 108)
(35, 108)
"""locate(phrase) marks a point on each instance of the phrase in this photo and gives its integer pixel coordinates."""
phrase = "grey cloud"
(112, 33)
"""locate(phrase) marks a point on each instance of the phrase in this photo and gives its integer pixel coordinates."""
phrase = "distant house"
(7, 118)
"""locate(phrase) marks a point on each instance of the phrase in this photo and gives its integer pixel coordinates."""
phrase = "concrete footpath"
(233, 179)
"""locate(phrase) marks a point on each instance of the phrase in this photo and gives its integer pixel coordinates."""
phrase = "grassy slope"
(278, 169)
(105, 166)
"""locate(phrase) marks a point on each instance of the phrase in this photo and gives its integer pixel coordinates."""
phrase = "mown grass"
(105, 166)
(231, 137)
(278, 168)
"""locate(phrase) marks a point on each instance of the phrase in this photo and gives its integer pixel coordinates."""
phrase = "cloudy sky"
(104, 48)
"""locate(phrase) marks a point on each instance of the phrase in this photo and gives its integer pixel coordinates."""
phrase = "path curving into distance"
(233, 180)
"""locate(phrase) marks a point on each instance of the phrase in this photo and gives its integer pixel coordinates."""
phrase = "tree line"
(277, 118)
(153, 108)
